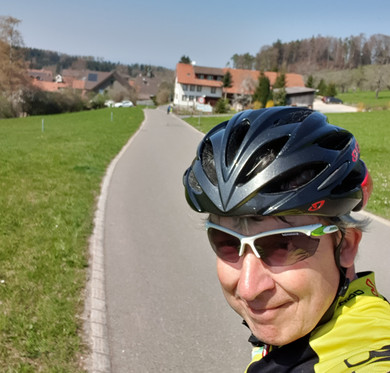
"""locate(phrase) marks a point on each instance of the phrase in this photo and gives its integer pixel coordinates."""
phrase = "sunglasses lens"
(286, 248)
(225, 245)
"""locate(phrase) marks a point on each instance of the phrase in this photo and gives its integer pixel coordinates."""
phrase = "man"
(279, 186)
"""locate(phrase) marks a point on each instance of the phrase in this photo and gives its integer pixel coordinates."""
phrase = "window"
(192, 87)
(213, 90)
(191, 98)
(184, 98)
(210, 77)
(185, 87)
(199, 88)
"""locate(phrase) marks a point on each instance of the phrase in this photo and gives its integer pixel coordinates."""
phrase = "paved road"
(332, 108)
(165, 310)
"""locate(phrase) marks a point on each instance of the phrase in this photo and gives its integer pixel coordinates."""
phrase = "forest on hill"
(56, 61)
(356, 62)
(318, 53)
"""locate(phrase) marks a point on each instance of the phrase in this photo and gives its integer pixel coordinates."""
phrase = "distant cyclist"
(279, 185)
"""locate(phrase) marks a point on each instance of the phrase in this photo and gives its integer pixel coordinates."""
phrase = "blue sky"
(210, 32)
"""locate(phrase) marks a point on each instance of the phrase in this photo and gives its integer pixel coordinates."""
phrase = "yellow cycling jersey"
(355, 339)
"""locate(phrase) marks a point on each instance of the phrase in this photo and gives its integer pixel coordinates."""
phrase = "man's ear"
(350, 247)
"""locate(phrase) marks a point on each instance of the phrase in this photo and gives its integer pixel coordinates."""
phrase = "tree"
(243, 61)
(310, 81)
(280, 81)
(262, 92)
(322, 87)
(280, 97)
(222, 106)
(227, 81)
(185, 59)
(331, 90)
(12, 66)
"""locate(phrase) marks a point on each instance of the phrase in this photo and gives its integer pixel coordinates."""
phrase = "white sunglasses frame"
(312, 230)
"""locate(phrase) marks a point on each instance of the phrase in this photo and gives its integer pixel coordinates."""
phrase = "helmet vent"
(193, 182)
(335, 140)
(353, 180)
(236, 138)
(208, 162)
(293, 117)
(260, 159)
(295, 178)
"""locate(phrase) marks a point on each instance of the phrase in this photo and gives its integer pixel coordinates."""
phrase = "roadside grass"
(372, 130)
(49, 184)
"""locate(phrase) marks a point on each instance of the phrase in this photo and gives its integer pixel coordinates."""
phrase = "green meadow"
(372, 130)
(367, 100)
(50, 175)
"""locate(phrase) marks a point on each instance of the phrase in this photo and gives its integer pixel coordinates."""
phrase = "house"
(41, 74)
(195, 83)
(83, 81)
(205, 84)
(146, 88)
(300, 96)
(112, 83)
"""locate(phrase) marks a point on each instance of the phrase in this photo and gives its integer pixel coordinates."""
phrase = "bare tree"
(12, 65)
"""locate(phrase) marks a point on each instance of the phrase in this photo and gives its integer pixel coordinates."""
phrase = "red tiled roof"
(186, 75)
(54, 86)
(48, 86)
(244, 81)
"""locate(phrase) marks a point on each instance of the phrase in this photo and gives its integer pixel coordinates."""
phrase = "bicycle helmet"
(278, 161)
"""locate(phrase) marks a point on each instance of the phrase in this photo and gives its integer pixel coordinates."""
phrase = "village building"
(115, 85)
(198, 84)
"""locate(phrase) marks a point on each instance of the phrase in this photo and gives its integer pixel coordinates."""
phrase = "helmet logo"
(316, 206)
(355, 153)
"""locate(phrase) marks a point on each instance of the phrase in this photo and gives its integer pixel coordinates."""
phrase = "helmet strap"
(343, 283)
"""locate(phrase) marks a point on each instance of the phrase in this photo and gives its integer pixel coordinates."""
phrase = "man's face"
(280, 304)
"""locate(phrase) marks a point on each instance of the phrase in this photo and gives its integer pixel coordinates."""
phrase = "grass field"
(372, 130)
(50, 177)
(367, 100)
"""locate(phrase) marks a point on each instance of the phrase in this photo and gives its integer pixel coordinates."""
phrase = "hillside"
(56, 62)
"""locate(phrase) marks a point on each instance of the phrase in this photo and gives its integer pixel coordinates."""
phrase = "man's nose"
(255, 278)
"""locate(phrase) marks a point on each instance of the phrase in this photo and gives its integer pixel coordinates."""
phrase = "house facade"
(196, 84)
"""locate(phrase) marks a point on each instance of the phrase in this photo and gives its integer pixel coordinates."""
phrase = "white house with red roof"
(196, 84)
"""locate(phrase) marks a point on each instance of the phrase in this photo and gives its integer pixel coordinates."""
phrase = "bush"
(280, 97)
(257, 105)
(222, 106)
(6, 109)
(98, 101)
(163, 96)
(37, 102)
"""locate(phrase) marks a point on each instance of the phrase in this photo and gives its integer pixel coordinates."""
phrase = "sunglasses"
(279, 247)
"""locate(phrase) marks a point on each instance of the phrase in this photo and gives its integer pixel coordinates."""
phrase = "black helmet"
(277, 161)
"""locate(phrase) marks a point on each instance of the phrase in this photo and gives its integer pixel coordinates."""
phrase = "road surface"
(166, 312)
(165, 309)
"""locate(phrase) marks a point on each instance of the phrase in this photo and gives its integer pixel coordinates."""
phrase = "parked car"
(331, 100)
(125, 103)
